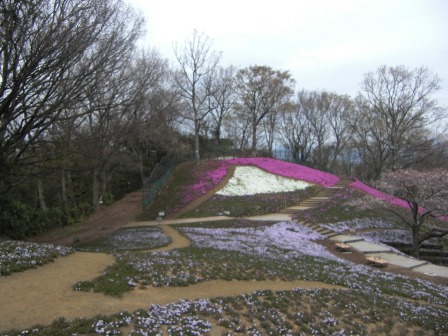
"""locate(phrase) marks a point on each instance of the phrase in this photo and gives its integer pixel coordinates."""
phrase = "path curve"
(177, 239)
(39, 296)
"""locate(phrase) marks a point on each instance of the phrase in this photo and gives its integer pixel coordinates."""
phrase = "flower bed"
(205, 177)
(290, 170)
(378, 194)
(250, 181)
(139, 238)
(388, 236)
(242, 250)
(267, 312)
(17, 256)
(208, 174)
(294, 240)
(388, 198)
(250, 205)
(359, 224)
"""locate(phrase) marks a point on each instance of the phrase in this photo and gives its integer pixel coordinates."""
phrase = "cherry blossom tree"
(426, 195)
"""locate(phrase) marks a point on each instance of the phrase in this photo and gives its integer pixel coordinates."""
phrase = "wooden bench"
(375, 261)
(343, 247)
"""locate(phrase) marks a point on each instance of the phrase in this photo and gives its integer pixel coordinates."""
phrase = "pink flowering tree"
(424, 194)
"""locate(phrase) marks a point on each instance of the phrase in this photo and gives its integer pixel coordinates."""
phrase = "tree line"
(394, 122)
(86, 114)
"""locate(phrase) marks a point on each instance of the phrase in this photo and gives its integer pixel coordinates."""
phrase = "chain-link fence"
(159, 176)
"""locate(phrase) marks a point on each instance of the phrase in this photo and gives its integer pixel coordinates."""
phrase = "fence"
(162, 171)
(158, 178)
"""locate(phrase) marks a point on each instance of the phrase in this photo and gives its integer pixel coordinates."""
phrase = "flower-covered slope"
(248, 180)
(388, 198)
(290, 170)
(207, 177)
(378, 194)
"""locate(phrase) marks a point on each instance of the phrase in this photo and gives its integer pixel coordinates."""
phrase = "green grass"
(261, 204)
(169, 198)
(172, 197)
(114, 281)
(336, 209)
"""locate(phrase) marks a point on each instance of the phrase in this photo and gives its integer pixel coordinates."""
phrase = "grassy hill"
(359, 300)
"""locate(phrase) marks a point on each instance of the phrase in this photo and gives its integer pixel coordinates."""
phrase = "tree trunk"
(415, 230)
(64, 191)
(218, 131)
(415, 252)
(40, 192)
(105, 182)
(95, 190)
(197, 157)
(70, 192)
(142, 169)
(254, 140)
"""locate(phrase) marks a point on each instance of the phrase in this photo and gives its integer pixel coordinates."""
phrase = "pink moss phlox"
(206, 181)
(290, 170)
(388, 198)
(378, 194)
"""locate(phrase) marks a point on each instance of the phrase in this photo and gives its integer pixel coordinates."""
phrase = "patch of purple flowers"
(395, 236)
(359, 224)
(284, 240)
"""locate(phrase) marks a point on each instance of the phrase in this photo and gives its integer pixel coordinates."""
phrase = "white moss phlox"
(251, 180)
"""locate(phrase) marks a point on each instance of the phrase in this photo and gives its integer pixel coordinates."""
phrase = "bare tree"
(271, 125)
(113, 112)
(316, 106)
(238, 128)
(156, 107)
(222, 98)
(262, 91)
(296, 134)
(395, 106)
(50, 52)
(317, 130)
(197, 66)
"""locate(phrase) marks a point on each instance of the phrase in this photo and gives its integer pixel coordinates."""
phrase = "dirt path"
(177, 240)
(41, 295)
(107, 220)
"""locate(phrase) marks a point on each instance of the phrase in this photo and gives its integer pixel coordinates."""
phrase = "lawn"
(372, 302)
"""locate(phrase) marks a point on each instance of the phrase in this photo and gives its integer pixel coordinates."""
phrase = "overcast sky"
(325, 44)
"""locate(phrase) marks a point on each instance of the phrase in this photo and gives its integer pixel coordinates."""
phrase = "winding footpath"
(39, 296)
